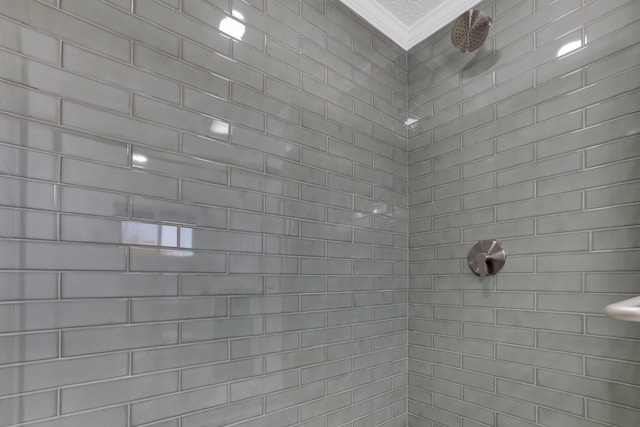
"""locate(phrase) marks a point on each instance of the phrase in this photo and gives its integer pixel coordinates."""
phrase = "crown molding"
(408, 36)
(380, 17)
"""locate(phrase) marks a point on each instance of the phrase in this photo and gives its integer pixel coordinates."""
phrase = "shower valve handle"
(486, 258)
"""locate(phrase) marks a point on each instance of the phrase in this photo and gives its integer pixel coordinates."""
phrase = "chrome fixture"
(487, 257)
(470, 30)
(628, 309)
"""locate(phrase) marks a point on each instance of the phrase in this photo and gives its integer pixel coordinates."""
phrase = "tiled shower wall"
(525, 142)
(197, 230)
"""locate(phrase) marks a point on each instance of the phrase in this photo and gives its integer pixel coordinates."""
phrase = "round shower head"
(470, 30)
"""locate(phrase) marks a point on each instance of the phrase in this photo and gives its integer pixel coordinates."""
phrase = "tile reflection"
(219, 128)
(136, 233)
(139, 159)
(232, 27)
(569, 47)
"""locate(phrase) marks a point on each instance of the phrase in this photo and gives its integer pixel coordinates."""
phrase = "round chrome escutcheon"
(487, 257)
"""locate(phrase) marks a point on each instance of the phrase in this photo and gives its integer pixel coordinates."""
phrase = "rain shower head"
(470, 30)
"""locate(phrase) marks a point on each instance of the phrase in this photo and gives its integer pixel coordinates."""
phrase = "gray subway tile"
(610, 370)
(61, 256)
(30, 42)
(66, 26)
(28, 347)
(612, 64)
(30, 134)
(300, 395)
(42, 106)
(619, 150)
(535, 96)
(85, 229)
(217, 107)
(499, 196)
(177, 404)
(196, 377)
(152, 310)
(28, 408)
(126, 24)
(435, 414)
(118, 126)
(266, 64)
(219, 240)
(589, 345)
(540, 320)
(23, 224)
(605, 326)
(175, 165)
(63, 372)
(204, 330)
(160, 112)
(172, 212)
(296, 134)
(205, 12)
(326, 336)
(266, 104)
(167, 260)
(220, 152)
(177, 357)
(259, 386)
(85, 341)
(463, 377)
(74, 399)
(262, 264)
(554, 418)
(500, 369)
(224, 415)
(464, 409)
(611, 261)
(610, 282)
(221, 196)
(502, 404)
(218, 284)
(61, 314)
(243, 306)
(544, 359)
(294, 284)
(115, 416)
(611, 195)
(56, 81)
(588, 137)
(609, 413)
(182, 24)
(539, 132)
(294, 59)
(589, 95)
(615, 393)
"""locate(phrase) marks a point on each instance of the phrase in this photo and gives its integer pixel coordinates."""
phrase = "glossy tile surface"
(179, 239)
(203, 227)
(553, 176)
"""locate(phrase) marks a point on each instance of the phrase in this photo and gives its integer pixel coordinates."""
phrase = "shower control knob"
(487, 257)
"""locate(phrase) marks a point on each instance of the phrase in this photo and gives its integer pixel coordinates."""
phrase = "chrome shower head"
(470, 30)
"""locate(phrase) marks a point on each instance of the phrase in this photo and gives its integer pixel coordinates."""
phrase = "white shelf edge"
(628, 310)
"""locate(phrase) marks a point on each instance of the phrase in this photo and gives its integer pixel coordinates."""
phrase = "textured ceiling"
(410, 11)
(408, 22)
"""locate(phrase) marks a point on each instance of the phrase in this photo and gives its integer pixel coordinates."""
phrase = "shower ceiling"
(408, 22)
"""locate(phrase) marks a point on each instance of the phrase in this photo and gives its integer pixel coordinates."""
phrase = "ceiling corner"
(407, 36)
(380, 17)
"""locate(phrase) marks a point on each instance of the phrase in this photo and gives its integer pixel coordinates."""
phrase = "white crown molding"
(408, 36)
(380, 17)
